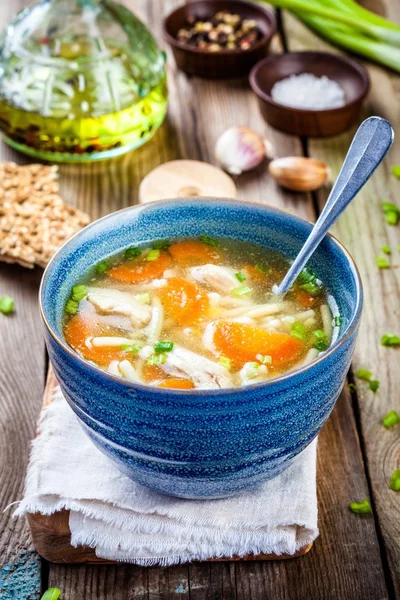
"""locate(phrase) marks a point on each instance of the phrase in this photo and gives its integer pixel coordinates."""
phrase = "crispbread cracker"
(34, 221)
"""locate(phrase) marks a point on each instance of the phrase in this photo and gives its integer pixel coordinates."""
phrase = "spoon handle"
(368, 148)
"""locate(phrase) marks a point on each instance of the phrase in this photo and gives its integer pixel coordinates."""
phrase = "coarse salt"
(309, 92)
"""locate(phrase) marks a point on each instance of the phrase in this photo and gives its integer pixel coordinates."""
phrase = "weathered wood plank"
(22, 365)
(345, 560)
(199, 111)
(363, 231)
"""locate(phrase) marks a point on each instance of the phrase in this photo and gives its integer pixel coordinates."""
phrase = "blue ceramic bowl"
(200, 443)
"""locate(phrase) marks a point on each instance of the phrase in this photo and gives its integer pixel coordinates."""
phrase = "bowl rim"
(263, 95)
(266, 38)
(353, 323)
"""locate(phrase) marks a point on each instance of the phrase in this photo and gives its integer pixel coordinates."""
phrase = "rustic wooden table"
(354, 558)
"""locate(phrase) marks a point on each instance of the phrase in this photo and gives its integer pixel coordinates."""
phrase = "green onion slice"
(242, 290)
(72, 307)
(374, 385)
(102, 267)
(207, 239)
(51, 594)
(392, 217)
(306, 276)
(391, 212)
(161, 244)
(396, 171)
(338, 321)
(390, 339)
(382, 262)
(164, 346)
(360, 508)
(6, 305)
(225, 362)
(153, 255)
(132, 252)
(132, 348)
(299, 331)
(78, 292)
(363, 374)
(395, 480)
(386, 250)
(312, 287)
(391, 419)
(157, 359)
(240, 276)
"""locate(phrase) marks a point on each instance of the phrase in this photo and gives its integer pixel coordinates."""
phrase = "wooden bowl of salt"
(310, 94)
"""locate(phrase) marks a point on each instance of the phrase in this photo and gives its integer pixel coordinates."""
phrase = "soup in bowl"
(180, 363)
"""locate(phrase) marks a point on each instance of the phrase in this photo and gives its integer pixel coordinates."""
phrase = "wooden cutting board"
(52, 537)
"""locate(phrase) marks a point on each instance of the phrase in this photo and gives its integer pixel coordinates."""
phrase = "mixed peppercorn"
(223, 31)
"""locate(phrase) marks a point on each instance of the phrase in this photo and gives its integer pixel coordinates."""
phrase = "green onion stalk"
(348, 25)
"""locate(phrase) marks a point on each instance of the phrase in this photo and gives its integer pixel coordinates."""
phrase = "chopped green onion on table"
(360, 508)
(6, 305)
(374, 385)
(391, 419)
(396, 171)
(363, 374)
(382, 262)
(395, 481)
(390, 339)
(51, 594)
(391, 212)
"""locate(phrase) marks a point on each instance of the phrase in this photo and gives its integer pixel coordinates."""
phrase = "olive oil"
(85, 138)
(80, 80)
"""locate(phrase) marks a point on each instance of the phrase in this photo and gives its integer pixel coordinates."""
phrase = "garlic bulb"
(298, 173)
(240, 149)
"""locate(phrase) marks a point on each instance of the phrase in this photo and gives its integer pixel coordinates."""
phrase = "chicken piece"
(204, 373)
(219, 278)
(109, 301)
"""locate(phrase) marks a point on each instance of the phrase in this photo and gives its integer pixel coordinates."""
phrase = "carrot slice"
(139, 270)
(152, 373)
(177, 384)
(242, 343)
(192, 252)
(76, 332)
(305, 299)
(184, 301)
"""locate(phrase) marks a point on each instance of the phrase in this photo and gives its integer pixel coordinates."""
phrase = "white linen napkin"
(125, 521)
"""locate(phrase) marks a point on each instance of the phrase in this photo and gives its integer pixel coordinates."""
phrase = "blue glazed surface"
(200, 443)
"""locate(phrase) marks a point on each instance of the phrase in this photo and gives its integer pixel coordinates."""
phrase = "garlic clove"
(240, 149)
(299, 174)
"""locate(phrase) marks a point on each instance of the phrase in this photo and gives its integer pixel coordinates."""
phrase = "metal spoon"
(369, 146)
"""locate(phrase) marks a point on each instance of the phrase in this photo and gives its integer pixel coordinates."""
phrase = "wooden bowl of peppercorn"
(219, 39)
